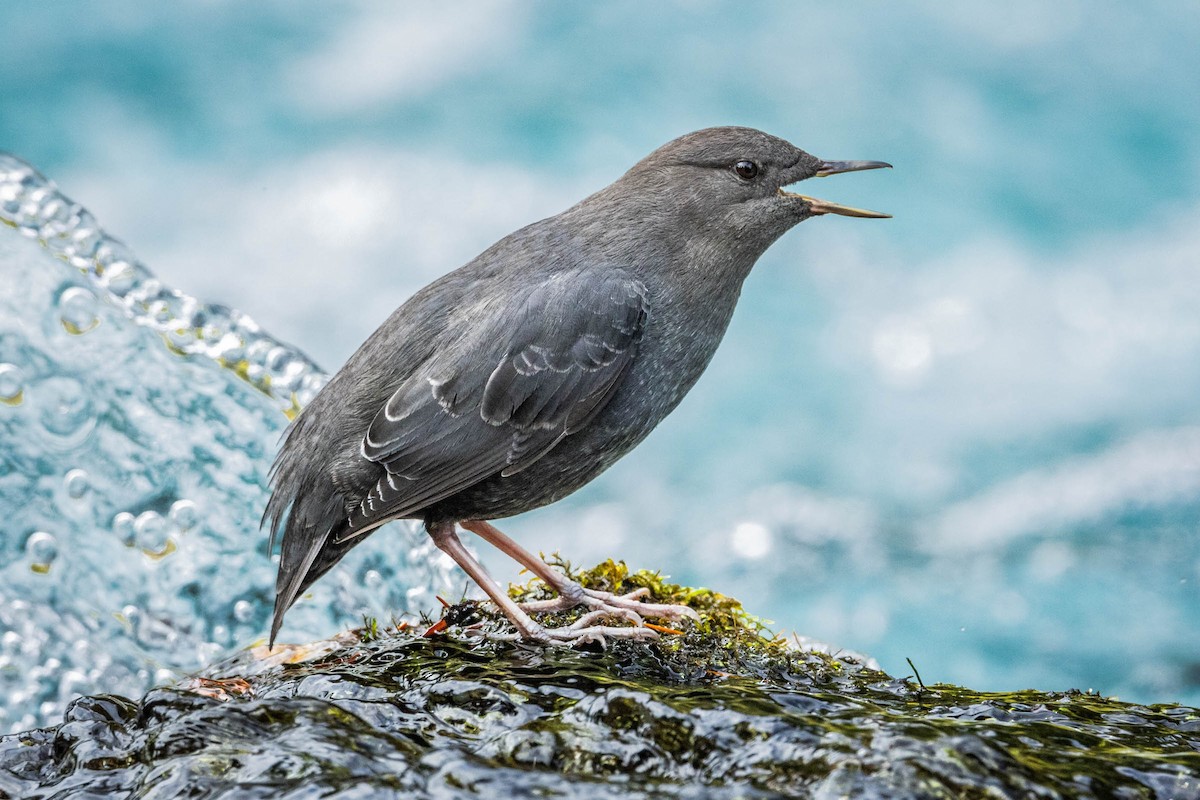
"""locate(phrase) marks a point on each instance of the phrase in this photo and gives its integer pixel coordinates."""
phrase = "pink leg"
(571, 594)
(583, 630)
(448, 542)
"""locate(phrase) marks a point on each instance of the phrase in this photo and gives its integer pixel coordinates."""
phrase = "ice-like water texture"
(137, 426)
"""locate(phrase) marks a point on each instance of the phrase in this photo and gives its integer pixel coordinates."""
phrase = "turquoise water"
(968, 435)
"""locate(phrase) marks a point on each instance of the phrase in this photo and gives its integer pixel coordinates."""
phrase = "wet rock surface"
(720, 711)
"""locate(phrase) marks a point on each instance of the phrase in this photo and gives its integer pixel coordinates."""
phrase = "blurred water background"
(969, 435)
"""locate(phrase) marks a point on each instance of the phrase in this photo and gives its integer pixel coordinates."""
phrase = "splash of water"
(137, 425)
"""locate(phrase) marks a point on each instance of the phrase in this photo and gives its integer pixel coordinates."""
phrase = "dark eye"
(745, 169)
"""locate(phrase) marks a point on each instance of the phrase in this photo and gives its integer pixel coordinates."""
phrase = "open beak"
(819, 207)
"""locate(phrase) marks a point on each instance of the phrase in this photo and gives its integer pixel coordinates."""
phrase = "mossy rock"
(723, 710)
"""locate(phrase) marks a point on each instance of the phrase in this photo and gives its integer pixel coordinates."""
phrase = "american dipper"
(516, 379)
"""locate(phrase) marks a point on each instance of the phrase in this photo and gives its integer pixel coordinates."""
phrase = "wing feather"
(506, 401)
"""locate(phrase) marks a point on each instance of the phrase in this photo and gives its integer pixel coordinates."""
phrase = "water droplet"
(276, 358)
(65, 409)
(183, 514)
(123, 527)
(77, 310)
(42, 549)
(76, 483)
(80, 249)
(119, 277)
(243, 611)
(371, 579)
(12, 384)
(150, 530)
(181, 339)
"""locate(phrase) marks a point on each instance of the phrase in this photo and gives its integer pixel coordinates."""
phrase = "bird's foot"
(584, 630)
(624, 606)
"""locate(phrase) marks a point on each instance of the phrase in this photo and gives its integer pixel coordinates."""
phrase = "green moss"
(721, 616)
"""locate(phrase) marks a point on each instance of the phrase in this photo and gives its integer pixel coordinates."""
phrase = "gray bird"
(519, 377)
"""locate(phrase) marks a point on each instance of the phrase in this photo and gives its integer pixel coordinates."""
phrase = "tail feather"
(289, 585)
(306, 565)
(307, 509)
(304, 509)
(286, 475)
(310, 549)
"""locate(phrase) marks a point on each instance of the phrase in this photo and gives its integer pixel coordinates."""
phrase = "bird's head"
(732, 180)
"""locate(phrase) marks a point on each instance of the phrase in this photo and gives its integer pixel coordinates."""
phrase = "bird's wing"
(468, 415)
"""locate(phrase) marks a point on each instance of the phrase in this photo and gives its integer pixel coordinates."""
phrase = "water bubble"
(131, 614)
(119, 277)
(160, 312)
(65, 408)
(12, 384)
(77, 310)
(147, 290)
(80, 250)
(276, 358)
(42, 549)
(76, 483)
(181, 338)
(243, 611)
(123, 527)
(258, 351)
(150, 531)
(171, 310)
(183, 514)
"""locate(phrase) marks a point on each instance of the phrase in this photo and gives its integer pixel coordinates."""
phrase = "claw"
(599, 604)
(571, 636)
(627, 606)
(597, 633)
